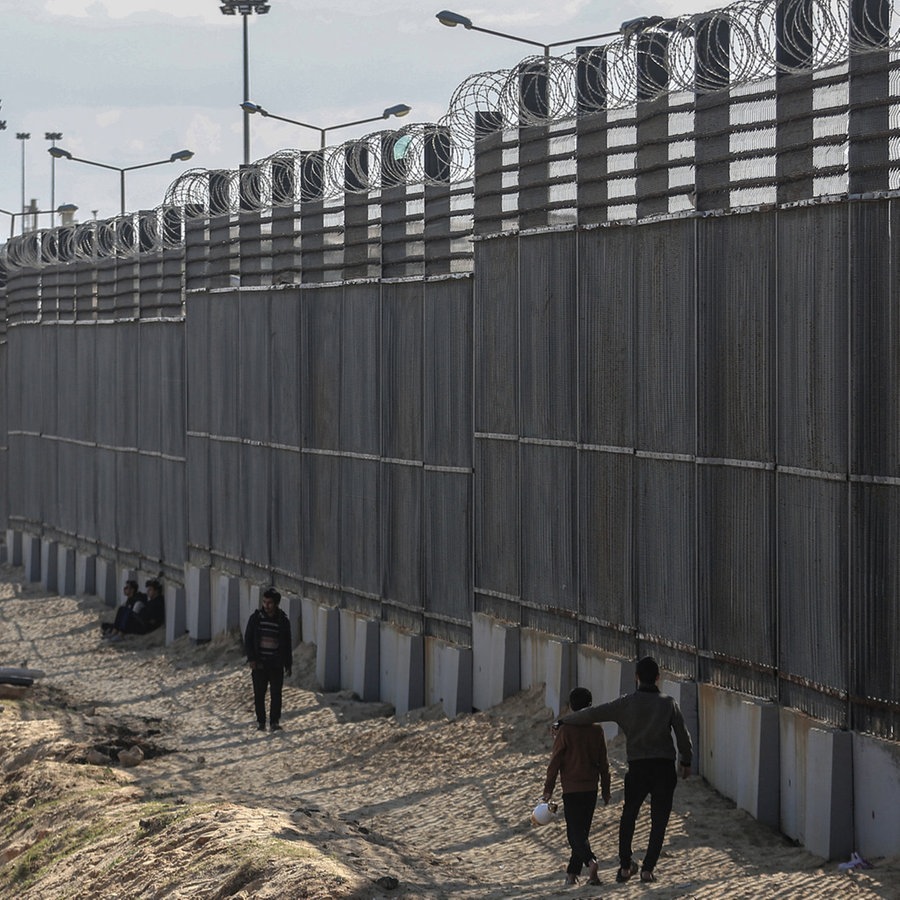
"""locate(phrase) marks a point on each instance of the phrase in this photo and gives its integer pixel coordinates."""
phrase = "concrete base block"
(495, 661)
(176, 613)
(292, 609)
(739, 741)
(828, 828)
(606, 677)
(31, 557)
(198, 604)
(49, 562)
(107, 582)
(347, 626)
(366, 682)
(85, 574)
(225, 595)
(402, 681)
(561, 671)
(448, 677)
(4, 554)
(65, 571)
(328, 648)
(309, 617)
(250, 597)
(13, 547)
(685, 695)
(876, 799)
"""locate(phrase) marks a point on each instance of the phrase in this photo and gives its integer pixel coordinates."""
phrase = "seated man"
(139, 614)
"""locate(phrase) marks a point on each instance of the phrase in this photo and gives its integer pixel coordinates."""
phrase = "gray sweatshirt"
(648, 719)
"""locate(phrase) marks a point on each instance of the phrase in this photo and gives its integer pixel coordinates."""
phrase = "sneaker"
(260, 726)
(276, 727)
(593, 877)
(571, 879)
(647, 875)
(625, 873)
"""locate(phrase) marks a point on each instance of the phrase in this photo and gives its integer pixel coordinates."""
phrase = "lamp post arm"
(90, 162)
(159, 162)
(590, 37)
(510, 37)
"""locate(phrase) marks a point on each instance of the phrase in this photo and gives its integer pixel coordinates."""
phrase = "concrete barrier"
(13, 547)
(85, 574)
(402, 659)
(739, 743)
(328, 648)
(107, 583)
(366, 683)
(876, 799)
(225, 598)
(176, 613)
(448, 677)
(828, 788)
(31, 557)
(606, 677)
(495, 661)
(49, 562)
(685, 695)
(197, 602)
(65, 570)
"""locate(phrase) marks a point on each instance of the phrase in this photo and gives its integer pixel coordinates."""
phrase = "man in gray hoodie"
(648, 719)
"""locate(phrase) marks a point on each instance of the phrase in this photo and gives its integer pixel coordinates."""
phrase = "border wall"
(628, 388)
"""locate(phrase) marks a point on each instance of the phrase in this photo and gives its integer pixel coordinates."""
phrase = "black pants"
(579, 809)
(656, 777)
(271, 677)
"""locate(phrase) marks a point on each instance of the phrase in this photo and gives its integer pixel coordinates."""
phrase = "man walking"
(270, 653)
(579, 758)
(648, 719)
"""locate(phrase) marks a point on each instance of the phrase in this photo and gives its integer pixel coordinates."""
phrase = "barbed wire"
(738, 44)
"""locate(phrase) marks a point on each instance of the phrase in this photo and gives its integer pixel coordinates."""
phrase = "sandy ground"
(348, 801)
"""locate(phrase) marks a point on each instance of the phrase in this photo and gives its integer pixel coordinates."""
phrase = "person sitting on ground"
(139, 614)
(579, 758)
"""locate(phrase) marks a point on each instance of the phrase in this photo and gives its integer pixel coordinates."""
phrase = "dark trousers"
(656, 777)
(579, 809)
(128, 621)
(271, 677)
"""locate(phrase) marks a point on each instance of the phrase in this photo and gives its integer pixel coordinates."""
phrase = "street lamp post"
(452, 19)
(53, 137)
(23, 136)
(400, 110)
(245, 8)
(59, 153)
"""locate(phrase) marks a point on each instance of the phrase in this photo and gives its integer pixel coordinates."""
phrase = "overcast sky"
(132, 81)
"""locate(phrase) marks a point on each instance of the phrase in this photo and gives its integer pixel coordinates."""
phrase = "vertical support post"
(652, 158)
(395, 261)
(488, 171)
(250, 249)
(356, 210)
(312, 216)
(534, 169)
(591, 133)
(285, 260)
(438, 149)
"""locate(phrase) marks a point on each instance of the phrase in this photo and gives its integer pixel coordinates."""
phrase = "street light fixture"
(53, 137)
(245, 8)
(180, 155)
(23, 136)
(399, 110)
(452, 19)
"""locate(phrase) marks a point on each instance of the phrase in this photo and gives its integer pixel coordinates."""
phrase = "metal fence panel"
(127, 499)
(448, 543)
(496, 327)
(812, 338)
(321, 390)
(549, 521)
(497, 520)
(360, 369)
(665, 343)
(606, 523)
(402, 533)
(607, 314)
(735, 298)
(735, 551)
(448, 373)
(286, 364)
(196, 355)
(108, 500)
(197, 479)
(67, 476)
(125, 386)
(665, 549)
(254, 523)
(67, 387)
(107, 411)
(360, 547)
(288, 508)
(172, 512)
(226, 524)
(321, 524)
(224, 365)
(875, 613)
(149, 506)
(254, 366)
(172, 387)
(49, 380)
(150, 399)
(812, 535)
(548, 350)
(402, 356)
(85, 380)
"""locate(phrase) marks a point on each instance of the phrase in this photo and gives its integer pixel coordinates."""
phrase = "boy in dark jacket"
(648, 719)
(579, 757)
(270, 653)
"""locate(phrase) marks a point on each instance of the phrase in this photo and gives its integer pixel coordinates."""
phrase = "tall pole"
(245, 16)
(23, 136)
(53, 137)
(122, 192)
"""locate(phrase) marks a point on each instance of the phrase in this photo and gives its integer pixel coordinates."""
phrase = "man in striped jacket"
(270, 654)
